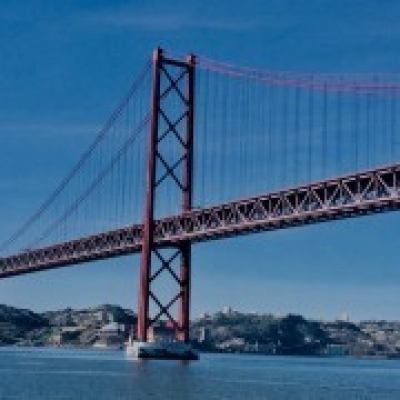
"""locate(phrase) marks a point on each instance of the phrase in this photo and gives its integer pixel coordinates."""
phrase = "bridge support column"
(171, 119)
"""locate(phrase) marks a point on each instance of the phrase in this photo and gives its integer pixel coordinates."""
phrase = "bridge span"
(353, 195)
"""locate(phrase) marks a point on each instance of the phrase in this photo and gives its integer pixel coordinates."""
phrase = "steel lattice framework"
(171, 127)
(349, 196)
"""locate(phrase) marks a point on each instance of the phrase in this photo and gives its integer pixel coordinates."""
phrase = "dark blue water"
(86, 374)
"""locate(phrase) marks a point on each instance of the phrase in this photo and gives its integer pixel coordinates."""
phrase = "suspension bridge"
(221, 151)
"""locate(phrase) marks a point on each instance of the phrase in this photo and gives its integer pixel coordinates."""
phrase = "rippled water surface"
(87, 374)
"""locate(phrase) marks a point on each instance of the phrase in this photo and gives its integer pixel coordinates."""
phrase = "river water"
(40, 374)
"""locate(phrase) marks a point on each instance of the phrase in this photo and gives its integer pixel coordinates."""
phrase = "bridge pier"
(171, 77)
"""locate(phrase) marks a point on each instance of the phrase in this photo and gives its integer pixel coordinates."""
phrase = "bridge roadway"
(354, 195)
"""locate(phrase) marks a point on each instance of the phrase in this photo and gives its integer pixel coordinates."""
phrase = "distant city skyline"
(65, 66)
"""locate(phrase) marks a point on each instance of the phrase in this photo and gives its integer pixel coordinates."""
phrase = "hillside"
(68, 327)
(231, 331)
(17, 325)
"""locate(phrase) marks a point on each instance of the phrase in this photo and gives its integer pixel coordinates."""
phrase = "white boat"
(161, 350)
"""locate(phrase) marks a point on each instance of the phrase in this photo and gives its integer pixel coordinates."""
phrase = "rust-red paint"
(184, 184)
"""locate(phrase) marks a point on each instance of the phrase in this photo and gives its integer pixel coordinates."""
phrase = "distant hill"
(23, 318)
(16, 324)
(232, 331)
(74, 327)
(98, 315)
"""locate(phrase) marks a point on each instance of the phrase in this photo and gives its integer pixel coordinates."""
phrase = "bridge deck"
(348, 196)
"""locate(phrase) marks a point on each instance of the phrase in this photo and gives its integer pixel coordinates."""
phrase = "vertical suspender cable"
(271, 168)
(368, 128)
(339, 131)
(357, 127)
(297, 166)
(325, 131)
(392, 114)
(284, 132)
(310, 125)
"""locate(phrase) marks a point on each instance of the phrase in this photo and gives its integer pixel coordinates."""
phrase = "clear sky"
(65, 65)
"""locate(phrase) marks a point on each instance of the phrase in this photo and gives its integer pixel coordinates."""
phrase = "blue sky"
(65, 65)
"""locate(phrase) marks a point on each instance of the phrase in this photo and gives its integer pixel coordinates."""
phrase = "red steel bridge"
(316, 147)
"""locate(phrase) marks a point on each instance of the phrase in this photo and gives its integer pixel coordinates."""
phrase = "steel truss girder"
(349, 196)
(100, 246)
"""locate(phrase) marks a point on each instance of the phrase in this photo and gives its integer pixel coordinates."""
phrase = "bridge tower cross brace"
(171, 77)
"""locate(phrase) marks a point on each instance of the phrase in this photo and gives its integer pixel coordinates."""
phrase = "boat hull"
(162, 351)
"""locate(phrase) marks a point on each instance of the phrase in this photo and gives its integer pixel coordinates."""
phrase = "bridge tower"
(172, 108)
